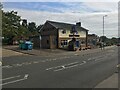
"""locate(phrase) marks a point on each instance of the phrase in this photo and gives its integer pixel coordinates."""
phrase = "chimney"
(78, 24)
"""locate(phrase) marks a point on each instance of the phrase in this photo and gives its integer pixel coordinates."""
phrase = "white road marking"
(28, 63)
(101, 57)
(24, 78)
(35, 62)
(65, 66)
(84, 61)
(24, 63)
(9, 78)
(61, 66)
(54, 59)
(7, 66)
(47, 60)
(71, 63)
(53, 67)
(95, 58)
(70, 66)
(43, 61)
(0, 63)
(18, 65)
(67, 57)
(51, 60)
(90, 59)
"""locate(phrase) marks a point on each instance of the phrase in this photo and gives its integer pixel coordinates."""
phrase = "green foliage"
(33, 28)
(10, 24)
(108, 41)
(1, 6)
(12, 29)
(24, 23)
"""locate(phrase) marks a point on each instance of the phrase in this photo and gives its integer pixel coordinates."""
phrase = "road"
(67, 70)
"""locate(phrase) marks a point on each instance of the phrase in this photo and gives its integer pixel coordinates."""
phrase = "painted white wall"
(66, 35)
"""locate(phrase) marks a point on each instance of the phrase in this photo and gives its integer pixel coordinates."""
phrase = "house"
(58, 34)
(93, 40)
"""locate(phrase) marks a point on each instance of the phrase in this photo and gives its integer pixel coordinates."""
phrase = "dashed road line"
(7, 66)
(0, 63)
(47, 60)
(35, 62)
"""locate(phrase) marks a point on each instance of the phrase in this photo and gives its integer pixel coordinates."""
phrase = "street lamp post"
(40, 40)
(103, 29)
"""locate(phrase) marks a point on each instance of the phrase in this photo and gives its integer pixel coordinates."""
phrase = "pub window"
(63, 31)
(64, 42)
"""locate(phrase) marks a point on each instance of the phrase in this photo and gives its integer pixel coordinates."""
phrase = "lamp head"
(105, 15)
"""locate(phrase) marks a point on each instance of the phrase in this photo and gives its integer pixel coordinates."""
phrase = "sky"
(90, 14)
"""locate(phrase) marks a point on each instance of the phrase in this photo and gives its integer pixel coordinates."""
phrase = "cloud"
(90, 19)
(74, 7)
(61, 0)
(102, 6)
(95, 23)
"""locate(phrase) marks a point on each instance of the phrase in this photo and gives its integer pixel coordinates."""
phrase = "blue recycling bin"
(24, 46)
(28, 45)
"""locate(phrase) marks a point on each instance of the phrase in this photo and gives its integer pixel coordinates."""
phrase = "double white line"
(61, 66)
(70, 66)
(66, 66)
(14, 81)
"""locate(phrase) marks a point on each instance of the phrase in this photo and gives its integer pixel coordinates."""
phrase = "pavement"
(36, 52)
(109, 82)
(8, 53)
(50, 52)
(112, 81)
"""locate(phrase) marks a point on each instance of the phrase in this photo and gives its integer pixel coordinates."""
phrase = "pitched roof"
(65, 25)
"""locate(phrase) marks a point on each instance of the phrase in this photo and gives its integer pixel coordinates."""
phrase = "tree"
(103, 38)
(38, 28)
(10, 25)
(33, 28)
(1, 6)
(14, 29)
(114, 40)
(24, 23)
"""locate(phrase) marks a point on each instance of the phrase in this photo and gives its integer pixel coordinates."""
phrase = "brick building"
(58, 34)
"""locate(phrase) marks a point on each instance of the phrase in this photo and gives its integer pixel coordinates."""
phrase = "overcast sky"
(90, 14)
